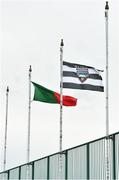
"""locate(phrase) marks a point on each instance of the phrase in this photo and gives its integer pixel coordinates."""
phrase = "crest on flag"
(82, 73)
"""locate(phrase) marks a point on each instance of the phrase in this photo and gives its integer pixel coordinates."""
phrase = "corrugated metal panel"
(4, 176)
(97, 160)
(40, 169)
(14, 174)
(23, 172)
(54, 172)
(77, 163)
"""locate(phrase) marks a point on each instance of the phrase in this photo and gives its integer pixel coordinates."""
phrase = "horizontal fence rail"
(86, 161)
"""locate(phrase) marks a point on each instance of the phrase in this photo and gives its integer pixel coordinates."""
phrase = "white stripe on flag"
(94, 82)
(66, 68)
(70, 69)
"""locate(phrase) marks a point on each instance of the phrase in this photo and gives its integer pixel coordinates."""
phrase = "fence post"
(48, 168)
(66, 165)
(114, 158)
(19, 172)
(32, 170)
(8, 175)
(88, 161)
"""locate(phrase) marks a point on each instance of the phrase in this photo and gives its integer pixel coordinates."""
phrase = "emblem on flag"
(82, 73)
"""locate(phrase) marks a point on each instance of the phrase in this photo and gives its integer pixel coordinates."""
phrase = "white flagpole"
(29, 123)
(61, 106)
(6, 122)
(107, 97)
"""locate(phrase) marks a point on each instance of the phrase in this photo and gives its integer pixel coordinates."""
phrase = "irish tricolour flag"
(48, 96)
(77, 76)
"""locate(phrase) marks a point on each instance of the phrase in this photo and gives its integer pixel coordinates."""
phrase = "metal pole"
(29, 123)
(61, 105)
(107, 98)
(6, 122)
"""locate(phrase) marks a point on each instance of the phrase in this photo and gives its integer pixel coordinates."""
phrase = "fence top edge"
(45, 157)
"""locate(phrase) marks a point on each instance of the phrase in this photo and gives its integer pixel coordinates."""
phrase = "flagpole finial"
(7, 90)
(30, 69)
(62, 43)
(106, 6)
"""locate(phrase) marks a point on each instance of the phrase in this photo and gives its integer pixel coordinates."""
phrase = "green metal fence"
(86, 161)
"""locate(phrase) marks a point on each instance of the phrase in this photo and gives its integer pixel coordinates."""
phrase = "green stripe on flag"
(43, 94)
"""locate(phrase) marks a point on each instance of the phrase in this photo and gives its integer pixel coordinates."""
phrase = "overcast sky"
(30, 34)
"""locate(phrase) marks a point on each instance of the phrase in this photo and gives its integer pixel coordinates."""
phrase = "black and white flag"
(77, 76)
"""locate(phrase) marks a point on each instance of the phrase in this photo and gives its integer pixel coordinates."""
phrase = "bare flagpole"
(61, 106)
(6, 122)
(107, 97)
(29, 123)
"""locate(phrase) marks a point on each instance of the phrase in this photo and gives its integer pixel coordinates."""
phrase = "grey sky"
(30, 35)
